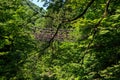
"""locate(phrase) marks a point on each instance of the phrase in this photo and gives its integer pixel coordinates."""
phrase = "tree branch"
(96, 28)
(52, 39)
(85, 10)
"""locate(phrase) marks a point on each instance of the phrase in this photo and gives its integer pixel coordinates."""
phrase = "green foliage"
(15, 40)
(94, 53)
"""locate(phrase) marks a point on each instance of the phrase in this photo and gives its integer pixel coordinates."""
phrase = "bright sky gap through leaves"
(38, 3)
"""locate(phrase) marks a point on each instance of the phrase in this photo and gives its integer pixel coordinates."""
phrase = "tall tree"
(16, 40)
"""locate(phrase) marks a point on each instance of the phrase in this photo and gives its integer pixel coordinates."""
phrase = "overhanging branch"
(95, 29)
(85, 10)
(52, 39)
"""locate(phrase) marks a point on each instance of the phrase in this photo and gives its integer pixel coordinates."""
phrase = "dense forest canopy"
(90, 51)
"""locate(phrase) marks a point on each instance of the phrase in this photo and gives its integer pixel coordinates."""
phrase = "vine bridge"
(46, 34)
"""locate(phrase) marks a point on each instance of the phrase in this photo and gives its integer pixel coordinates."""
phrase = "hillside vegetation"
(82, 40)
